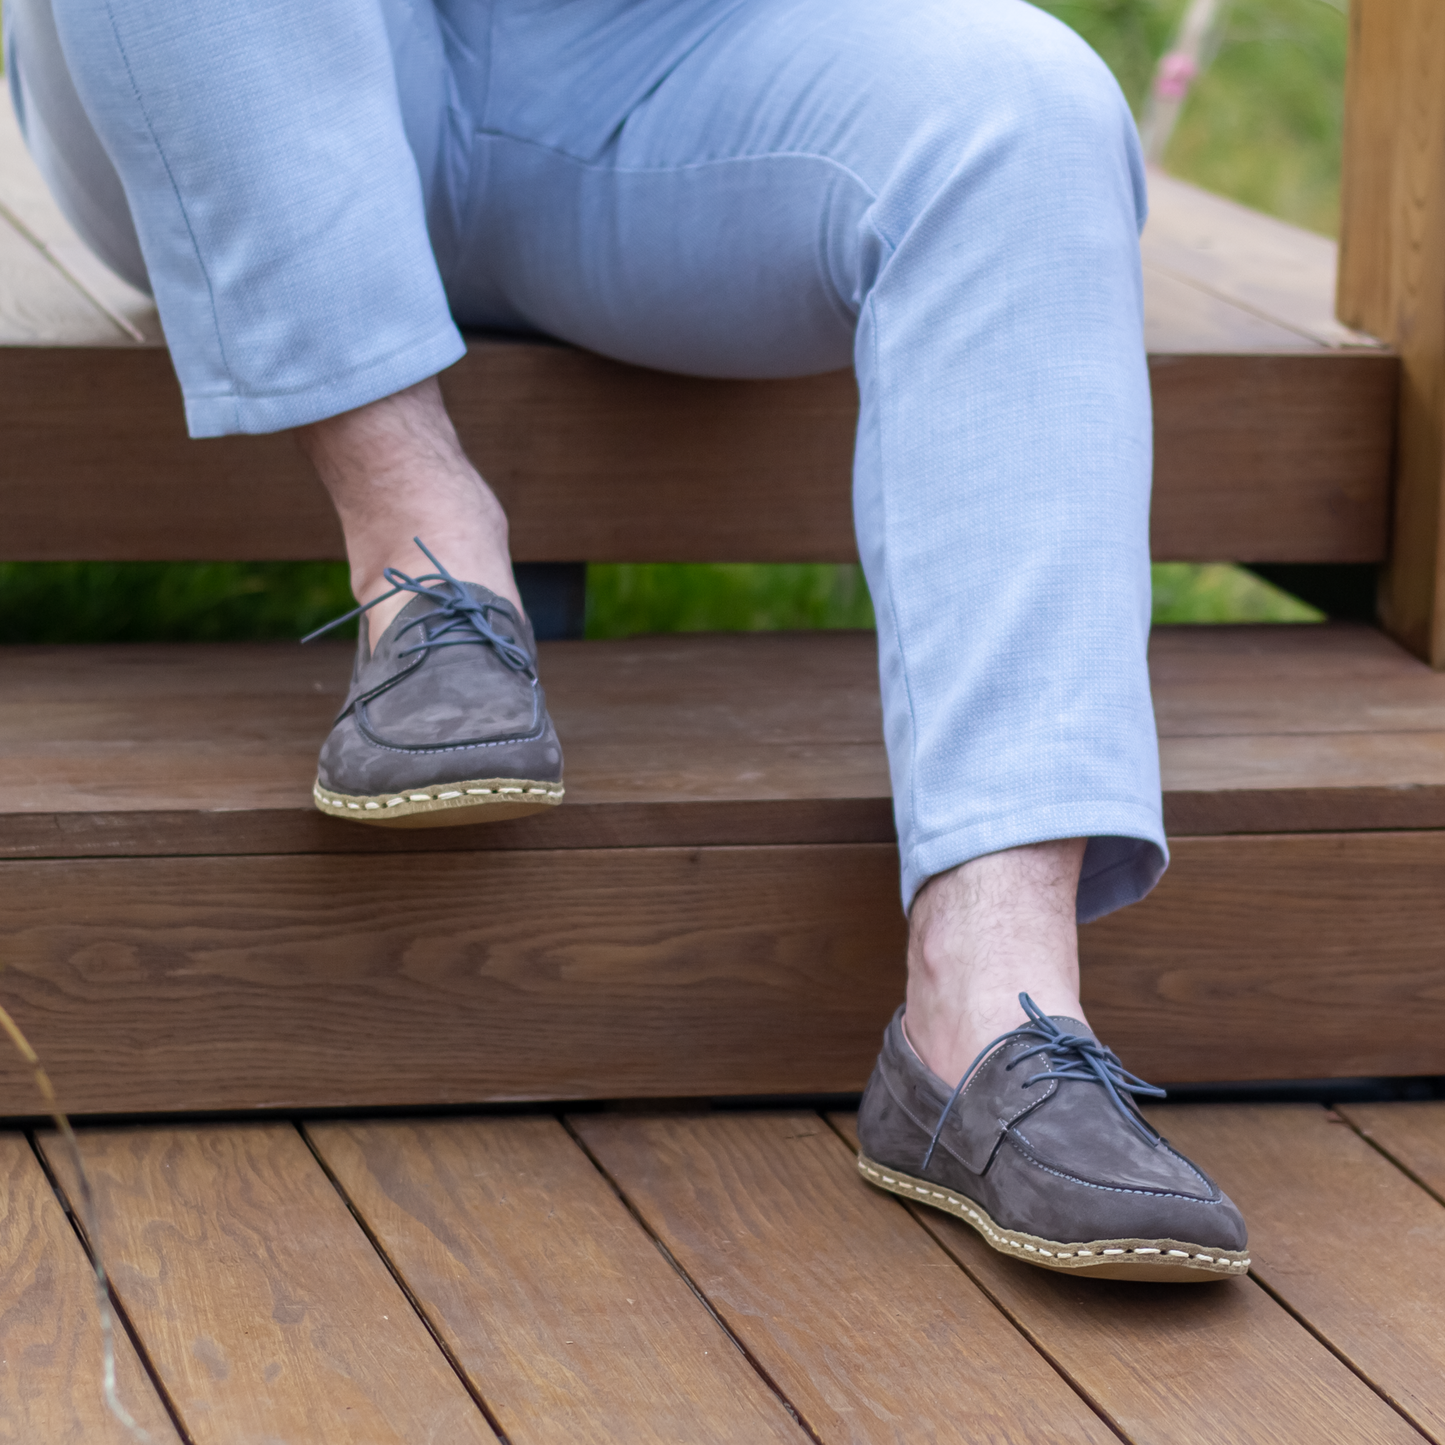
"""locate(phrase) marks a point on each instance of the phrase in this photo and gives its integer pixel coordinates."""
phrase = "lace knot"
(1065, 1056)
(457, 619)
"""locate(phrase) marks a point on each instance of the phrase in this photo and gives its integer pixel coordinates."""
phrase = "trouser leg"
(949, 194)
(275, 186)
(63, 143)
(946, 191)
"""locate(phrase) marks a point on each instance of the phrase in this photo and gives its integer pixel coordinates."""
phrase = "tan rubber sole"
(447, 805)
(1160, 1261)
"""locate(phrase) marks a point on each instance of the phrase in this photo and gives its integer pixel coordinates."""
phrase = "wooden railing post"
(1392, 280)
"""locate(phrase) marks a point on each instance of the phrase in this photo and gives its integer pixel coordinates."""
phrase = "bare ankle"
(982, 934)
(395, 471)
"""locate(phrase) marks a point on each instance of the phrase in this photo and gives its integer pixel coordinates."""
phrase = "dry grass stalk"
(87, 1219)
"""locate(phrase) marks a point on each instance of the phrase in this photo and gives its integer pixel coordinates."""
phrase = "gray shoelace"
(457, 619)
(1066, 1056)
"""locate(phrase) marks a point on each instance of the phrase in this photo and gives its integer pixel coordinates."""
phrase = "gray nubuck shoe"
(1044, 1152)
(446, 722)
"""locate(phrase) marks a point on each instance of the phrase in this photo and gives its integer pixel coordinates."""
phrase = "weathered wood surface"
(1343, 1237)
(50, 1341)
(815, 1274)
(265, 1310)
(684, 740)
(1392, 278)
(1177, 1364)
(564, 1315)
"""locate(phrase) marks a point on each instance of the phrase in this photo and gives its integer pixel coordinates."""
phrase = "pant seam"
(175, 189)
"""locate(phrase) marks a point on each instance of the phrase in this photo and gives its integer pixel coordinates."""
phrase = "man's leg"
(287, 244)
(948, 194)
(981, 933)
(395, 470)
(286, 203)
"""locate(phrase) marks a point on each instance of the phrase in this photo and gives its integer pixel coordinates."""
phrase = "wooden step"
(1273, 427)
(713, 910)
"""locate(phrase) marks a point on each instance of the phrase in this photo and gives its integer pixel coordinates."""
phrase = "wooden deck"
(703, 1276)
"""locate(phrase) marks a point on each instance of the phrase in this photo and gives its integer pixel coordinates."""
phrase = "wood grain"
(1341, 1235)
(1310, 486)
(50, 1343)
(1293, 957)
(239, 983)
(1257, 265)
(1392, 278)
(1268, 457)
(685, 740)
(1177, 1364)
(1413, 1134)
(560, 1308)
(866, 1325)
(267, 1313)
(365, 981)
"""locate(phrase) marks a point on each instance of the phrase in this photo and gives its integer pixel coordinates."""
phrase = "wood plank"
(445, 978)
(1392, 278)
(1274, 457)
(1413, 1134)
(125, 315)
(866, 1325)
(685, 740)
(1181, 316)
(1278, 957)
(51, 1357)
(239, 983)
(1341, 1235)
(1255, 262)
(1176, 1363)
(39, 306)
(561, 1310)
(266, 1311)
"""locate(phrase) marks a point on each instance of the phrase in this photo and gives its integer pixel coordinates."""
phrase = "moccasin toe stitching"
(1052, 1163)
(446, 721)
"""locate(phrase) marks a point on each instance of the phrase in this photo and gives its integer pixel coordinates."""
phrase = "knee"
(998, 87)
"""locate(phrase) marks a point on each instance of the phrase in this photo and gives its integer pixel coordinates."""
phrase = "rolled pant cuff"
(1125, 858)
(214, 416)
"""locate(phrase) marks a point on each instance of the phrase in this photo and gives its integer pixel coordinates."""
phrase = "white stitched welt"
(332, 800)
(1002, 1237)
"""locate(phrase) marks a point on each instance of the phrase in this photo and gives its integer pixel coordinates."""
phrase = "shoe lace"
(1065, 1056)
(460, 619)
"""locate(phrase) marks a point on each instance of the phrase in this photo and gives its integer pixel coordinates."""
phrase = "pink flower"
(1176, 71)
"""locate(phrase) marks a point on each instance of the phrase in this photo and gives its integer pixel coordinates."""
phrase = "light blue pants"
(946, 193)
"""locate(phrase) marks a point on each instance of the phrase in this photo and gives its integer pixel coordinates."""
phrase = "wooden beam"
(1392, 279)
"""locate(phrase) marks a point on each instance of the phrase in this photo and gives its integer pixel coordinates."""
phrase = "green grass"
(1263, 125)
